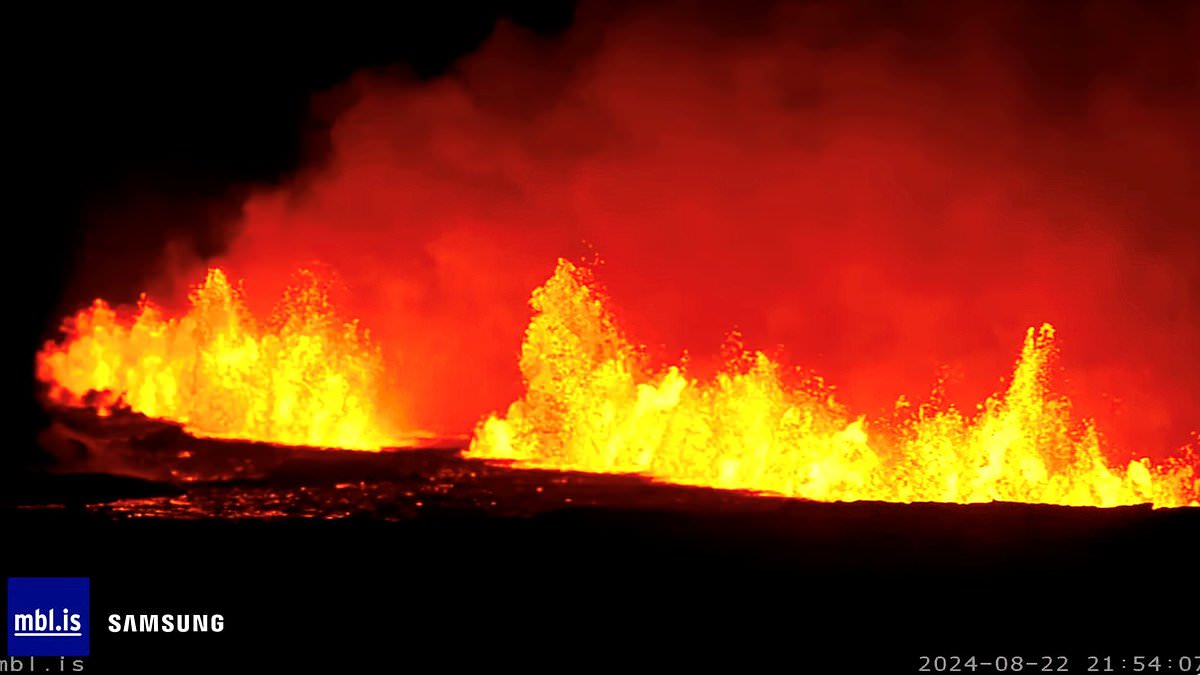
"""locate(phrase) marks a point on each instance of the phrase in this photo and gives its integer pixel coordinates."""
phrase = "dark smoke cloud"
(881, 188)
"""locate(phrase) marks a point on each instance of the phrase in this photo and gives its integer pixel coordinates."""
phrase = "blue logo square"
(48, 616)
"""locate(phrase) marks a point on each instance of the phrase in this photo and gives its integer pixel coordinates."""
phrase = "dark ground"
(404, 558)
(173, 123)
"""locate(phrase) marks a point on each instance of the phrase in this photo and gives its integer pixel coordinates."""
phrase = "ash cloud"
(881, 189)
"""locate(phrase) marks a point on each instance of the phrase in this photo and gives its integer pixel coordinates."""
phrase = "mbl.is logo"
(48, 616)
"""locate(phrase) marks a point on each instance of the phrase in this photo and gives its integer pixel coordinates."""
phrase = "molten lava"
(593, 404)
(304, 377)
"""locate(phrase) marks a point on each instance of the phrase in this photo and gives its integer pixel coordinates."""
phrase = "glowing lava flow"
(592, 405)
(303, 378)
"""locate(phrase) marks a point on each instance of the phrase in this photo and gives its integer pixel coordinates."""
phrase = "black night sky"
(135, 131)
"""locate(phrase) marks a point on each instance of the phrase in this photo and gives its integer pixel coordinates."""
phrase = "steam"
(882, 192)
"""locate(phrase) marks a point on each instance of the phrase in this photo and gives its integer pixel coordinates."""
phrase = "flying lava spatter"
(591, 404)
(594, 403)
(304, 377)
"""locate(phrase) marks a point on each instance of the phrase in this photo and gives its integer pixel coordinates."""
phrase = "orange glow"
(304, 377)
(593, 404)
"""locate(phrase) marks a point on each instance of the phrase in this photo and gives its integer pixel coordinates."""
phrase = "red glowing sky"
(881, 195)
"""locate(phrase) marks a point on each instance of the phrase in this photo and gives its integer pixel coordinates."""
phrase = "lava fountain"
(592, 403)
(302, 377)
